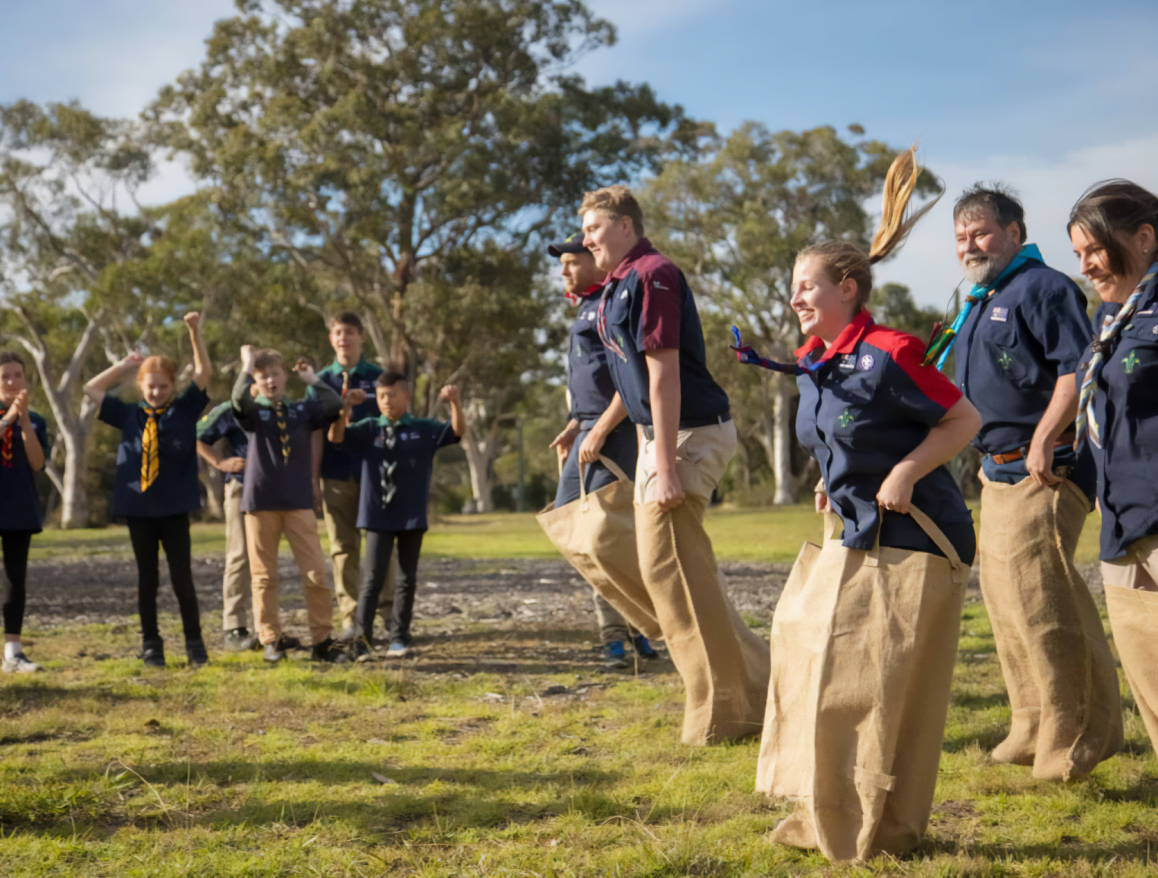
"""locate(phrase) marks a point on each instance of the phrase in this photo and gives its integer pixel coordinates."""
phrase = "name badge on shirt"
(379, 441)
(848, 362)
(623, 295)
(264, 414)
(1000, 315)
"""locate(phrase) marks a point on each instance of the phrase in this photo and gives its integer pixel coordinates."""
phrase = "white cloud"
(1048, 189)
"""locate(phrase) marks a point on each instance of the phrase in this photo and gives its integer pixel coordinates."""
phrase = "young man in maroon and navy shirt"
(651, 329)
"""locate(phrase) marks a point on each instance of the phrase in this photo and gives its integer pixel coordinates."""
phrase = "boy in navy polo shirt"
(649, 324)
(397, 457)
(220, 425)
(23, 445)
(280, 493)
(341, 471)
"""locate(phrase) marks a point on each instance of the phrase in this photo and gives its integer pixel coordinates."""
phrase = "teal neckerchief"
(940, 346)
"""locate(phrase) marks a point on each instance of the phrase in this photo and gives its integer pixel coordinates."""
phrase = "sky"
(1048, 96)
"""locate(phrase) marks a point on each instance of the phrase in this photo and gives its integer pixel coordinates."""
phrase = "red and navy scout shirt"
(19, 501)
(1126, 404)
(648, 306)
(861, 413)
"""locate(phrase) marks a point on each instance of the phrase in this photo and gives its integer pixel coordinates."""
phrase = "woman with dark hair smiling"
(1113, 231)
(864, 637)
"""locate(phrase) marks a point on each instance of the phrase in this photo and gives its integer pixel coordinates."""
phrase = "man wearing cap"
(650, 326)
(1023, 334)
(597, 426)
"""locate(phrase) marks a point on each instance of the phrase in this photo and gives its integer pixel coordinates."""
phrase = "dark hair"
(268, 359)
(1114, 206)
(389, 379)
(7, 357)
(347, 318)
(843, 260)
(997, 198)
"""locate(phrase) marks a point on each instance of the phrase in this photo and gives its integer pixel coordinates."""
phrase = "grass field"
(770, 534)
(491, 754)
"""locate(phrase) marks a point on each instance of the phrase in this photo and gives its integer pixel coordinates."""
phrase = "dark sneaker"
(196, 653)
(360, 650)
(329, 650)
(240, 640)
(275, 652)
(643, 647)
(398, 650)
(614, 655)
(153, 653)
(288, 641)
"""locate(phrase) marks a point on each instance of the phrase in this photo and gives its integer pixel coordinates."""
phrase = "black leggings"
(15, 544)
(379, 548)
(171, 533)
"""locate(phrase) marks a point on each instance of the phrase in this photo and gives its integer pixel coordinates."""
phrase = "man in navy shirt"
(649, 324)
(1016, 355)
(216, 426)
(396, 455)
(597, 423)
(340, 470)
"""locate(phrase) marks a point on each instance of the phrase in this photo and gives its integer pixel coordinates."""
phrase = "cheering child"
(23, 443)
(281, 491)
(397, 454)
(155, 486)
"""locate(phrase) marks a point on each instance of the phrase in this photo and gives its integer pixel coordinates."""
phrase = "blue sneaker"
(614, 655)
(643, 648)
(397, 650)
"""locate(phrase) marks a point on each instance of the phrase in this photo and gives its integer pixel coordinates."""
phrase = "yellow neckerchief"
(151, 447)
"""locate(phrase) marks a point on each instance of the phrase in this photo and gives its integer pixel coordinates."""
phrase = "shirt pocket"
(1007, 357)
(1137, 359)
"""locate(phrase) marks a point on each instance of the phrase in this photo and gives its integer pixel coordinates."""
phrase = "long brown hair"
(842, 260)
(1114, 206)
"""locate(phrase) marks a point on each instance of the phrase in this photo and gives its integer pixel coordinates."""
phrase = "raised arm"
(242, 396)
(202, 368)
(337, 430)
(451, 397)
(98, 386)
(327, 398)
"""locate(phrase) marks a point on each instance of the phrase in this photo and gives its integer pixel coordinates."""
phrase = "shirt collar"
(360, 368)
(592, 290)
(402, 421)
(844, 343)
(640, 249)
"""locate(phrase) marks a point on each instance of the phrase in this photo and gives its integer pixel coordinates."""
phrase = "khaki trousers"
(1063, 687)
(263, 532)
(340, 511)
(1131, 585)
(612, 625)
(724, 664)
(235, 585)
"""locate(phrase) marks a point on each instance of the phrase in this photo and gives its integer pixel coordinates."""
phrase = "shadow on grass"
(986, 739)
(1068, 849)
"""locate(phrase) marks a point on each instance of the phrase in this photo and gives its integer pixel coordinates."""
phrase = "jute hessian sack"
(863, 648)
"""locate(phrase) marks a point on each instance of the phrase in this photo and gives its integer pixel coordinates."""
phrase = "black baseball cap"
(573, 244)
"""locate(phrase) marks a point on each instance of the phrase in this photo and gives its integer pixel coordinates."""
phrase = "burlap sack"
(596, 534)
(1131, 589)
(1058, 669)
(863, 647)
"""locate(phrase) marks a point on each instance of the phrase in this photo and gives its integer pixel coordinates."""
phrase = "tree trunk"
(74, 511)
(787, 482)
(479, 444)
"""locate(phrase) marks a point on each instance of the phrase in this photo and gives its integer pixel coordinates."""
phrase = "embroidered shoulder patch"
(867, 362)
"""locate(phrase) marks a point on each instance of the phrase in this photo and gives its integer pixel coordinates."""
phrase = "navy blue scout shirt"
(337, 463)
(397, 461)
(1126, 404)
(589, 382)
(648, 306)
(860, 415)
(176, 488)
(219, 424)
(19, 500)
(273, 483)
(1012, 349)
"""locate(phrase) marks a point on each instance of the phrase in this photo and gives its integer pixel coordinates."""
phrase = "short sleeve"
(1058, 320)
(40, 426)
(192, 402)
(443, 434)
(659, 320)
(360, 436)
(922, 392)
(115, 411)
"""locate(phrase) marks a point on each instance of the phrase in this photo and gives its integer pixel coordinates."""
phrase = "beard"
(983, 269)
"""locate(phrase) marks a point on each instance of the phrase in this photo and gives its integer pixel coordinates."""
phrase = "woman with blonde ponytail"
(864, 637)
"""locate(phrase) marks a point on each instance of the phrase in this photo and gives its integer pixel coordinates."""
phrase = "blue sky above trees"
(1048, 96)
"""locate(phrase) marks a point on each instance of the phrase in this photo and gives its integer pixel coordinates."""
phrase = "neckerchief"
(942, 343)
(386, 471)
(601, 324)
(345, 383)
(151, 447)
(745, 354)
(6, 443)
(280, 415)
(1087, 421)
